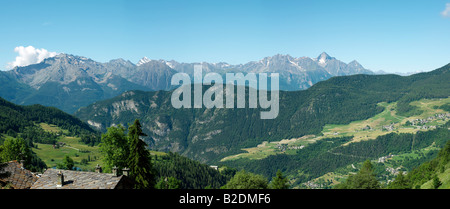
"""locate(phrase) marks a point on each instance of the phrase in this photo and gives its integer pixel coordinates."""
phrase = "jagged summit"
(143, 61)
(323, 58)
(69, 56)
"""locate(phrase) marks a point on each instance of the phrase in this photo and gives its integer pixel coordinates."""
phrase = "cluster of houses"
(421, 123)
(393, 171)
(389, 127)
(385, 158)
(284, 147)
(313, 185)
(14, 176)
(418, 123)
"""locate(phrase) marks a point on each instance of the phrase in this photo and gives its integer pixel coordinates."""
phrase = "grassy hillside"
(40, 128)
(16, 118)
(381, 124)
(427, 174)
(85, 157)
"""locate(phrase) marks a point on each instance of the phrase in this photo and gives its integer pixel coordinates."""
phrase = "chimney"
(115, 171)
(125, 171)
(60, 181)
(21, 164)
(98, 168)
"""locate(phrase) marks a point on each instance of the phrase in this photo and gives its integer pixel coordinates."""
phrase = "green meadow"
(85, 157)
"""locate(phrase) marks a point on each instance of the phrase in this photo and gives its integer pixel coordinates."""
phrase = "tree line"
(172, 171)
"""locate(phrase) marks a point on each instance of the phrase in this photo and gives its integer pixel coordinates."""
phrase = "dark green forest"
(191, 174)
(23, 119)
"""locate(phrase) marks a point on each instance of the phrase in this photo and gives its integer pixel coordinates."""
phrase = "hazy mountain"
(11, 89)
(121, 67)
(295, 73)
(70, 82)
(154, 75)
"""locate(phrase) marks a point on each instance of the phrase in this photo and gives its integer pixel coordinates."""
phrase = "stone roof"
(17, 176)
(79, 180)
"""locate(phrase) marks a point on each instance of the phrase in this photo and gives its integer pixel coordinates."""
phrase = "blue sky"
(389, 35)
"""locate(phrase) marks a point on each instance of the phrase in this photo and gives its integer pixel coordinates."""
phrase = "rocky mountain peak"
(323, 58)
(355, 63)
(143, 61)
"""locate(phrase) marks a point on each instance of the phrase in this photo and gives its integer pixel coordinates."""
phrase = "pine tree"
(400, 182)
(279, 181)
(139, 161)
(436, 182)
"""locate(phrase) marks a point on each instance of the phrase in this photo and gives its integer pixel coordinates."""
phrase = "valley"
(381, 124)
(85, 157)
(387, 124)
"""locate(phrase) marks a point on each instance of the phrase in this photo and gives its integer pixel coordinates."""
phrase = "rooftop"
(17, 176)
(80, 180)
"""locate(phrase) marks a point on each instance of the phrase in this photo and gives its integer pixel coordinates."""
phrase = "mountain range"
(69, 82)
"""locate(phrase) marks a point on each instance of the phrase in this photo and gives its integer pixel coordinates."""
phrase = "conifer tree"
(139, 161)
(436, 182)
(400, 182)
(279, 181)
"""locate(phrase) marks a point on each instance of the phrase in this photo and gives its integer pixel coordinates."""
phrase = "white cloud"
(446, 12)
(30, 55)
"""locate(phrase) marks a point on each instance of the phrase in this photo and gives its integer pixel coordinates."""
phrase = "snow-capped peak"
(323, 58)
(143, 61)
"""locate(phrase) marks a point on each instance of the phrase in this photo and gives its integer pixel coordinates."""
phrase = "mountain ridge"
(59, 81)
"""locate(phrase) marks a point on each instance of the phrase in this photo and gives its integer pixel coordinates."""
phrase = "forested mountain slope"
(210, 134)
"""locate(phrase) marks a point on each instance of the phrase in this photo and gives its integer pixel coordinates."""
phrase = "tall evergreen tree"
(400, 182)
(139, 160)
(279, 181)
(436, 182)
